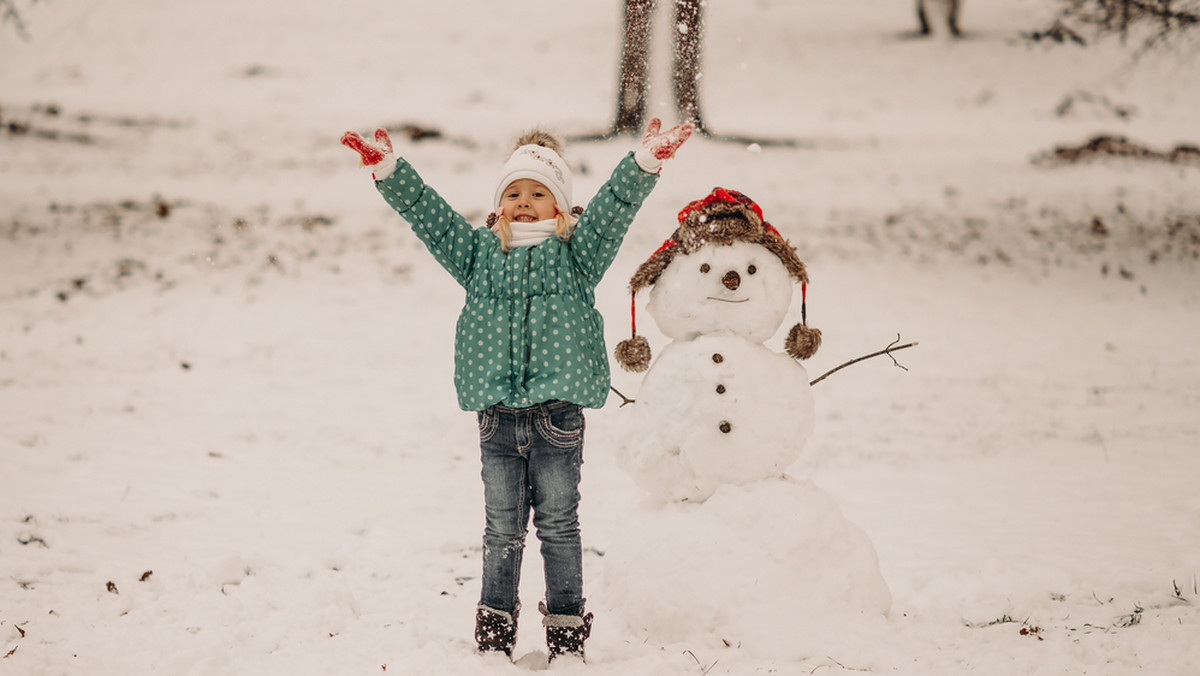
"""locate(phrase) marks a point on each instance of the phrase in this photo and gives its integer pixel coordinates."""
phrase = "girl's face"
(526, 200)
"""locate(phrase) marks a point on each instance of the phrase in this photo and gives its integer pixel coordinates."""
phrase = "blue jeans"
(531, 459)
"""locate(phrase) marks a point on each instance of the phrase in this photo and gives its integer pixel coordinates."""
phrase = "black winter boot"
(496, 630)
(565, 634)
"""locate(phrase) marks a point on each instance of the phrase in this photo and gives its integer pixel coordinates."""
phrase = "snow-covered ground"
(229, 442)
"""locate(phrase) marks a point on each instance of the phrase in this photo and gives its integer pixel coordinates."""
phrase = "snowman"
(719, 407)
(728, 546)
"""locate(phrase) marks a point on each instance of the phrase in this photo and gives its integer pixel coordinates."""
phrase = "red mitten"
(377, 155)
(658, 145)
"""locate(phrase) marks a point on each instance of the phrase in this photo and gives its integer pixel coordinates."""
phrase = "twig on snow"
(1178, 594)
(1003, 619)
(1130, 619)
(814, 669)
(892, 347)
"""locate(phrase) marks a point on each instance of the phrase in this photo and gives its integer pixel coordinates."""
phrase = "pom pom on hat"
(802, 341)
(633, 354)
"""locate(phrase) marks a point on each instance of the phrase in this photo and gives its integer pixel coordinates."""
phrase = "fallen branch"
(814, 669)
(892, 347)
(1109, 146)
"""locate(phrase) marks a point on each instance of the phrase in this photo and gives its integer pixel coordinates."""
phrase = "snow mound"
(774, 567)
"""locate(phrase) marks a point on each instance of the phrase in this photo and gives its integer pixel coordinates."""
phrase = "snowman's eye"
(751, 269)
(705, 267)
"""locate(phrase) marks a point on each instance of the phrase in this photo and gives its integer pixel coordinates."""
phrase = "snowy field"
(229, 442)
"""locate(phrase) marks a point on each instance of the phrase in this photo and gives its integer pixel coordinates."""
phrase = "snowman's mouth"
(729, 300)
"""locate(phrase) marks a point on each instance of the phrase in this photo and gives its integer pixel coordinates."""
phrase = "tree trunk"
(634, 78)
(688, 33)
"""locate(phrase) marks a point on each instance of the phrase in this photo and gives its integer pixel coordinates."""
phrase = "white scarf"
(530, 234)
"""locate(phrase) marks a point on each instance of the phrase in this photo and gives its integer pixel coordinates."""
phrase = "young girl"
(529, 352)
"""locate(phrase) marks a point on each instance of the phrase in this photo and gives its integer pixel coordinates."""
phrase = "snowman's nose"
(732, 280)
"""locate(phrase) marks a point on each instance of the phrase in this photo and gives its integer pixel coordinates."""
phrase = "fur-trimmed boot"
(565, 634)
(495, 630)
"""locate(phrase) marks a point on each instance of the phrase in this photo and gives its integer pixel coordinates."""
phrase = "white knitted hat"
(542, 165)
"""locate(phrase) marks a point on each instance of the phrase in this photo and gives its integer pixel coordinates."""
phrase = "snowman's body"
(715, 410)
(731, 548)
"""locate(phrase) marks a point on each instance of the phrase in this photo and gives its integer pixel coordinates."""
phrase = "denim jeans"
(531, 460)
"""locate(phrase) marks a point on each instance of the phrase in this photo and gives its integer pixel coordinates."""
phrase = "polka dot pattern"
(529, 331)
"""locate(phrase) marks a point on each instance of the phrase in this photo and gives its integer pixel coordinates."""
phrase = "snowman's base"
(773, 567)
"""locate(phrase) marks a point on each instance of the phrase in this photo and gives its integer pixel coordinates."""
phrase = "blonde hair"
(563, 228)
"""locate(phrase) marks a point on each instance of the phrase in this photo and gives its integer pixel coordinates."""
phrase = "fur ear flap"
(633, 354)
(802, 341)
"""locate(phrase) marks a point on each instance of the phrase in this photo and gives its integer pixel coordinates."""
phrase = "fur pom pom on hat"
(722, 217)
(538, 156)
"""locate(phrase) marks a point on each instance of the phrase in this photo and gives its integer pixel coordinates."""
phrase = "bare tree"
(633, 77)
(685, 80)
(9, 13)
(1159, 21)
(947, 10)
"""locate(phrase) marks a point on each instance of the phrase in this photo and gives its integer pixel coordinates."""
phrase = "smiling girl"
(529, 352)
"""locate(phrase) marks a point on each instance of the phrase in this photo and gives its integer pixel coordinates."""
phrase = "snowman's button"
(725, 427)
(720, 389)
(718, 358)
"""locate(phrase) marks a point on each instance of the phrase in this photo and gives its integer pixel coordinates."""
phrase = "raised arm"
(607, 218)
(445, 232)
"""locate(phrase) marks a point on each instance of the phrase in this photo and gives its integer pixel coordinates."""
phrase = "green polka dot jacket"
(529, 330)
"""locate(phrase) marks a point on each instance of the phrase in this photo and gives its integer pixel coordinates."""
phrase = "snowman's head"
(738, 288)
(725, 269)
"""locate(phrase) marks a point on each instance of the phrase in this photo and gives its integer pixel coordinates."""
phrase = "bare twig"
(892, 347)
(1003, 619)
(624, 399)
(814, 669)
(1132, 619)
